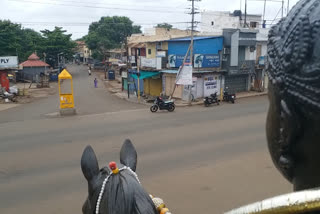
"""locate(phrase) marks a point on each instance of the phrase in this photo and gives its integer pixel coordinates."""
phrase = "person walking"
(95, 83)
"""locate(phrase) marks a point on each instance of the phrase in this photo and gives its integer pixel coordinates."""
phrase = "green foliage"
(56, 42)
(10, 38)
(165, 25)
(17, 41)
(109, 33)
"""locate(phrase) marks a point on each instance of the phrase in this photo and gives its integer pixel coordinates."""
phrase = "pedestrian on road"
(95, 83)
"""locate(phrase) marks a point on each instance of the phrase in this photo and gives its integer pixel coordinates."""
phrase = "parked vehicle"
(229, 97)
(212, 99)
(161, 104)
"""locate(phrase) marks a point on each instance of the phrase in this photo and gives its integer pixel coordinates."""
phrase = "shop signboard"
(8, 62)
(206, 60)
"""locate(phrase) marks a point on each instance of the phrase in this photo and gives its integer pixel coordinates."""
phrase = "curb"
(110, 88)
(201, 103)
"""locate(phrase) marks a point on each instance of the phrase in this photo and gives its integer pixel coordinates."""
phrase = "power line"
(98, 7)
(99, 3)
(87, 23)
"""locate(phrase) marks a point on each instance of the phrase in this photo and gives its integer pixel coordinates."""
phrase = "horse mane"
(125, 195)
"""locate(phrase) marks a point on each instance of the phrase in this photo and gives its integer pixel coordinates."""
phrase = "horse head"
(115, 189)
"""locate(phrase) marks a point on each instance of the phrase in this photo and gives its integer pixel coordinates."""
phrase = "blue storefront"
(207, 73)
(207, 51)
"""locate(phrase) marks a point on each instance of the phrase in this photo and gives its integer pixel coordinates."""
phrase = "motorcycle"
(228, 97)
(212, 99)
(89, 72)
(159, 103)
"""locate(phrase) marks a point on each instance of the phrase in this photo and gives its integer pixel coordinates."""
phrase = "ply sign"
(8, 62)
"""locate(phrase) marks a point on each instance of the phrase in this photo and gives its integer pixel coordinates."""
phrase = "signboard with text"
(211, 85)
(200, 60)
(175, 61)
(8, 62)
(206, 60)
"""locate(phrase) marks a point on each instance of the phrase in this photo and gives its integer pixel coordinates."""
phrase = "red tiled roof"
(33, 57)
(34, 61)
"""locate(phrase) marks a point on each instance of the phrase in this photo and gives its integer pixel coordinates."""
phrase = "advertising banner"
(185, 75)
(206, 60)
(8, 62)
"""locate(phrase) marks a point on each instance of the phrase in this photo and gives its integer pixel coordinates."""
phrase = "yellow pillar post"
(66, 93)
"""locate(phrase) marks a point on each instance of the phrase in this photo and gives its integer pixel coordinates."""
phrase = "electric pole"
(193, 12)
(245, 14)
(288, 7)
(282, 8)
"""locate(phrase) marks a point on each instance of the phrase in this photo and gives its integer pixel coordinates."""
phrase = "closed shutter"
(237, 83)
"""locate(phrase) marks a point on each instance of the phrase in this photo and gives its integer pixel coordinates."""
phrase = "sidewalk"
(241, 95)
(115, 88)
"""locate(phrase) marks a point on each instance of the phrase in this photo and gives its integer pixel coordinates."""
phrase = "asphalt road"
(199, 160)
(88, 100)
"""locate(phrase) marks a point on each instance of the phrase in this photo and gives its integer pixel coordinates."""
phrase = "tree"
(57, 42)
(16, 41)
(10, 38)
(165, 25)
(32, 43)
(109, 33)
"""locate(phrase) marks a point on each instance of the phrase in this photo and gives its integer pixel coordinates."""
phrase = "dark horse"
(115, 191)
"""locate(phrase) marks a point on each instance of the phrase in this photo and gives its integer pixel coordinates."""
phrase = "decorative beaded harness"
(107, 179)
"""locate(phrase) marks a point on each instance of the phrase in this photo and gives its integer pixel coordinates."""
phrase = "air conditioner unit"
(226, 51)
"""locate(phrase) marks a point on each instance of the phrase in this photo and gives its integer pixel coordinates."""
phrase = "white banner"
(9, 62)
(150, 63)
(185, 76)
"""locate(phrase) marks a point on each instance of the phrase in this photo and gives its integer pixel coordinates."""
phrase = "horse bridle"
(114, 171)
(158, 202)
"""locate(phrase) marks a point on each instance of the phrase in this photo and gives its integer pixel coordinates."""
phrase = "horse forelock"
(123, 194)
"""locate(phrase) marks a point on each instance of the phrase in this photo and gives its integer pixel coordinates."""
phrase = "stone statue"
(293, 122)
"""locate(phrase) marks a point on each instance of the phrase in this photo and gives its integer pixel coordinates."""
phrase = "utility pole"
(288, 7)
(193, 12)
(264, 10)
(138, 75)
(282, 2)
(127, 50)
(245, 14)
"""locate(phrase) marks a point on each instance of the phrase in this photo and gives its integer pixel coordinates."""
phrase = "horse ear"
(89, 164)
(128, 155)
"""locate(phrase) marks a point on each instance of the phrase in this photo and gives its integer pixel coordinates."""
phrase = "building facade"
(213, 22)
(83, 52)
(32, 68)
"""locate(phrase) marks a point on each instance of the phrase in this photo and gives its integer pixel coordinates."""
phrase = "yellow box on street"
(66, 90)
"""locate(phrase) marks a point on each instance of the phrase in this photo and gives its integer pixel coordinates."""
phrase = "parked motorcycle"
(212, 99)
(229, 97)
(159, 103)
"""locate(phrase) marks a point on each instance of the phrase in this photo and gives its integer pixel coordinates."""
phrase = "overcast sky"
(76, 15)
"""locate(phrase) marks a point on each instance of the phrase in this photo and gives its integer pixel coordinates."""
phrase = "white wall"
(250, 55)
(221, 20)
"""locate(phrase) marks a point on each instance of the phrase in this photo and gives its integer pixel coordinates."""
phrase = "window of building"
(149, 51)
(253, 24)
(159, 46)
